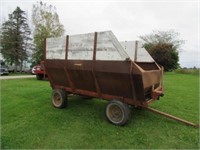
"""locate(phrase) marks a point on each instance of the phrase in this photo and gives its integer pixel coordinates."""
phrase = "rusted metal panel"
(148, 66)
(56, 72)
(151, 78)
(108, 76)
(81, 74)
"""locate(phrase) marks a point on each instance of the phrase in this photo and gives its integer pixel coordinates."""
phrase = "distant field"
(188, 71)
(28, 120)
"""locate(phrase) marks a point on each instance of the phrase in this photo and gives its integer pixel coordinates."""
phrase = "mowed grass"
(28, 120)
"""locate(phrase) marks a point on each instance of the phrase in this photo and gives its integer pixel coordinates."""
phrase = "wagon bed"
(98, 65)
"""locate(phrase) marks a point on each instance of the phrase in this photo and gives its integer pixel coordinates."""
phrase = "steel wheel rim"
(57, 99)
(115, 114)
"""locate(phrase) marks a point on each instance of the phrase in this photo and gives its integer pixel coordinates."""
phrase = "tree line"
(18, 40)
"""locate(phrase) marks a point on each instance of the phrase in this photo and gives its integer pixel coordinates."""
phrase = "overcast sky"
(127, 19)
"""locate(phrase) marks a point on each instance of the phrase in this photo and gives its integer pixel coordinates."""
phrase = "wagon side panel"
(114, 78)
(57, 73)
(81, 75)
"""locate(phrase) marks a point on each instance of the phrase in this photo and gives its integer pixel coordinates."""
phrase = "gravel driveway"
(16, 77)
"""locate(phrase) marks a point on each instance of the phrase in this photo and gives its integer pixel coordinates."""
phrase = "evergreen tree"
(15, 36)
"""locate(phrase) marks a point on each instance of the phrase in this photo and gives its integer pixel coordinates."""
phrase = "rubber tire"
(114, 117)
(39, 76)
(59, 98)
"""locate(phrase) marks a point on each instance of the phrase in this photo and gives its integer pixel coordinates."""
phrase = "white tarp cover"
(108, 48)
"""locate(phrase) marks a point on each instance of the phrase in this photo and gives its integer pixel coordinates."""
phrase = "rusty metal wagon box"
(98, 65)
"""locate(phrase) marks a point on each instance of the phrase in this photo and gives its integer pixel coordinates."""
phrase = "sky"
(128, 19)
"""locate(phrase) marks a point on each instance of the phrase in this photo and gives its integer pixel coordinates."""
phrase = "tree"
(164, 46)
(46, 24)
(15, 36)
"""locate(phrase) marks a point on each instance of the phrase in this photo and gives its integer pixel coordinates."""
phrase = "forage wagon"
(98, 65)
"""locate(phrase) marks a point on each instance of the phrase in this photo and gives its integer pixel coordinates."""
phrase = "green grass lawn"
(28, 120)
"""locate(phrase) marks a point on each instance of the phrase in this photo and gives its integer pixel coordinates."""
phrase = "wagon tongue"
(173, 117)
